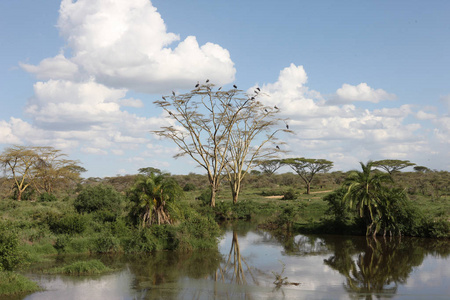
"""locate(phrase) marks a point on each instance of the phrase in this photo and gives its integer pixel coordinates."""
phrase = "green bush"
(99, 198)
(9, 254)
(205, 196)
(189, 187)
(46, 197)
(106, 243)
(70, 223)
(14, 284)
(290, 195)
(139, 241)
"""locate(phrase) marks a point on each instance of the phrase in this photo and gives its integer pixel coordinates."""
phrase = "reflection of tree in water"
(233, 269)
(379, 265)
(158, 275)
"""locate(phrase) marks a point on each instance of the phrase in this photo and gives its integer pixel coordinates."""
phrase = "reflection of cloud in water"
(432, 277)
(64, 287)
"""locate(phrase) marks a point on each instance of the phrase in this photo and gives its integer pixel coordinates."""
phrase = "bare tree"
(217, 130)
(203, 125)
(252, 138)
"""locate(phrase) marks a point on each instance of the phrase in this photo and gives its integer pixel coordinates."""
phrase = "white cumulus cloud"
(361, 92)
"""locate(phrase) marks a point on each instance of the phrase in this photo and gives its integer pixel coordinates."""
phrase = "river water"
(254, 264)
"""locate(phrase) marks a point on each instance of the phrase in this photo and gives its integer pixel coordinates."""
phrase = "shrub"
(106, 243)
(14, 284)
(66, 224)
(189, 187)
(290, 195)
(99, 198)
(139, 241)
(205, 196)
(9, 255)
(46, 197)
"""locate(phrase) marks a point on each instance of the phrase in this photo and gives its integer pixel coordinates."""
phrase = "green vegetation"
(146, 213)
(91, 267)
(15, 284)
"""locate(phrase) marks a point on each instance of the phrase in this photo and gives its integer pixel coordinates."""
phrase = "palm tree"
(366, 193)
(151, 198)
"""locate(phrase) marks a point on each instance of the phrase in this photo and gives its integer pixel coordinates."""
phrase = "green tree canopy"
(392, 165)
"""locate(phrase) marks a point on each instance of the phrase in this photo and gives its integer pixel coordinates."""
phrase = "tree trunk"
(19, 194)
(308, 188)
(212, 201)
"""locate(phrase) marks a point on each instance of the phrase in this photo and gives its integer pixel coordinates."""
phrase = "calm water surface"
(248, 262)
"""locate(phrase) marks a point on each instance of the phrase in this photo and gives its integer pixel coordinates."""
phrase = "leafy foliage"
(99, 198)
(9, 254)
(151, 197)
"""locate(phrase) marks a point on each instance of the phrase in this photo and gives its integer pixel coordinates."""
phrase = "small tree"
(150, 199)
(306, 168)
(366, 194)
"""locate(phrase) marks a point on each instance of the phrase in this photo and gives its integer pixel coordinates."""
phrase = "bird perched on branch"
(173, 93)
(197, 85)
(207, 80)
(234, 86)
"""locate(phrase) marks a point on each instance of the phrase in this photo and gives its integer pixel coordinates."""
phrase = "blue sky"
(358, 80)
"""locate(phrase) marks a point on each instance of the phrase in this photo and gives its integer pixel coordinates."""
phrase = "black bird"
(277, 147)
(173, 93)
(259, 90)
(207, 80)
(275, 107)
(252, 98)
(287, 126)
(197, 84)
(219, 88)
(266, 110)
(256, 92)
(170, 113)
(164, 98)
(234, 86)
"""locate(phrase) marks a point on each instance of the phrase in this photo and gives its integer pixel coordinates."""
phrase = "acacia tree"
(307, 168)
(269, 166)
(392, 165)
(252, 139)
(18, 162)
(53, 169)
(40, 167)
(209, 124)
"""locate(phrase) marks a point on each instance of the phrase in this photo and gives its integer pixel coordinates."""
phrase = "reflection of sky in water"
(264, 255)
(430, 278)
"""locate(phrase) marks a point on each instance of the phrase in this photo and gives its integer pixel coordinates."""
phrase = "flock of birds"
(257, 90)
